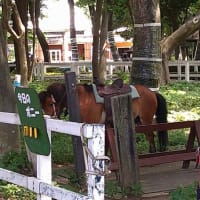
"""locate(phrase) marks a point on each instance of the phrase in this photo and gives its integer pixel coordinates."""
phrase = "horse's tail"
(161, 117)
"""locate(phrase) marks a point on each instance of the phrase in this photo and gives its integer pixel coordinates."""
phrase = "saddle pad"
(99, 99)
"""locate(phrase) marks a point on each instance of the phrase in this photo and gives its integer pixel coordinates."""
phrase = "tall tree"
(146, 66)
(74, 46)
(111, 39)
(9, 134)
(18, 32)
(169, 43)
(99, 17)
(40, 35)
(173, 14)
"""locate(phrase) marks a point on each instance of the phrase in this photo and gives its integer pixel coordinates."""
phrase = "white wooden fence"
(82, 69)
(42, 184)
(184, 70)
(179, 70)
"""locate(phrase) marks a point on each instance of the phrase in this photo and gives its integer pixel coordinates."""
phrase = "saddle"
(103, 94)
(116, 88)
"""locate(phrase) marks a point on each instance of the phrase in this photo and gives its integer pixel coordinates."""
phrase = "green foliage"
(13, 192)
(115, 191)
(74, 183)
(142, 144)
(182, 100)
(123, 75)
(175, 12)
(184, 193)
(62, 151)
(14, 161)
(137, 190)
(39, 86)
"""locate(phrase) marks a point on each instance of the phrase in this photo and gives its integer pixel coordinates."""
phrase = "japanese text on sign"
(24, 98)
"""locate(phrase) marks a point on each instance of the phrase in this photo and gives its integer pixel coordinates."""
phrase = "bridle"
(54, 106)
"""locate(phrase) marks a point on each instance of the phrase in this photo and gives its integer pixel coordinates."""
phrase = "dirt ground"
(157, 181)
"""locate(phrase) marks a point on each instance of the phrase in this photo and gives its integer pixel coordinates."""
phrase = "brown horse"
(145, 107)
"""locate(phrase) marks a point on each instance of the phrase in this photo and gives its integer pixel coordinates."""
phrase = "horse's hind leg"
(150, 138)
(161, 117)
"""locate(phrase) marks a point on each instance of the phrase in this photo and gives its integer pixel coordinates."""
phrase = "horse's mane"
(58, 90)
(88, 87)
(43, 95)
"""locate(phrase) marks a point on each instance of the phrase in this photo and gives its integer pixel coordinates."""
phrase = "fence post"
(125, 138)
(74, 116)
(187, 72)
(179, 71)
(96, 146)
(44, 169)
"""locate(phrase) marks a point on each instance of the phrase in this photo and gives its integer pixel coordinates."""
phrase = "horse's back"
(145, 106)
(90, 111)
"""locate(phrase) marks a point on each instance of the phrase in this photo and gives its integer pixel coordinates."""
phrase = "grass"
(183, 104)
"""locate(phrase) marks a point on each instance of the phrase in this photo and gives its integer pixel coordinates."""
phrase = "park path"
(157, 181)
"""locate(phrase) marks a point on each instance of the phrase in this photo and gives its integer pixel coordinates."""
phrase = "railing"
(42, 184)
(179, 70)
(82, 69)
(184, 70)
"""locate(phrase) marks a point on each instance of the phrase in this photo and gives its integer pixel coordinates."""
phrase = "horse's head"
(47, 102)
(58, 90)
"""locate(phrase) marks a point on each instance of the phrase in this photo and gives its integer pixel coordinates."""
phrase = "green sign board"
(32, 120)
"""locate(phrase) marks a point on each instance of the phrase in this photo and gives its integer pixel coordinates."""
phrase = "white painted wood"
(71, 128)
(76, 66)
(42, 184)
(13, 177)
(60, 193)
(38, 186)
(97, 149)
(44, 169)
(10, 118)
(187, 72)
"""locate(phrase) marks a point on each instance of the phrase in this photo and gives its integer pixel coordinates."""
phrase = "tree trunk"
(42, 40)
(100, 28)
(171, 42)
(19, 36)
(9, 134)
(96, 17)
(146, 66)
(20, 21)
(74, 45)
(103, 37)
(43, 43)
(111, 39)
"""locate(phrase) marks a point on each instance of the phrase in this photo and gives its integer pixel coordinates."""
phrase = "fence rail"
(179, 70)
(41, 185)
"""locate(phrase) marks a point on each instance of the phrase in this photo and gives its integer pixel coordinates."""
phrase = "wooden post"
(187, 72)
(125, 140)
(179, 71)
(74, 116)
(44, 169)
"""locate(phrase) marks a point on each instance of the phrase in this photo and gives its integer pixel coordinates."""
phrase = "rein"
(54, 106)
(57, 104)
